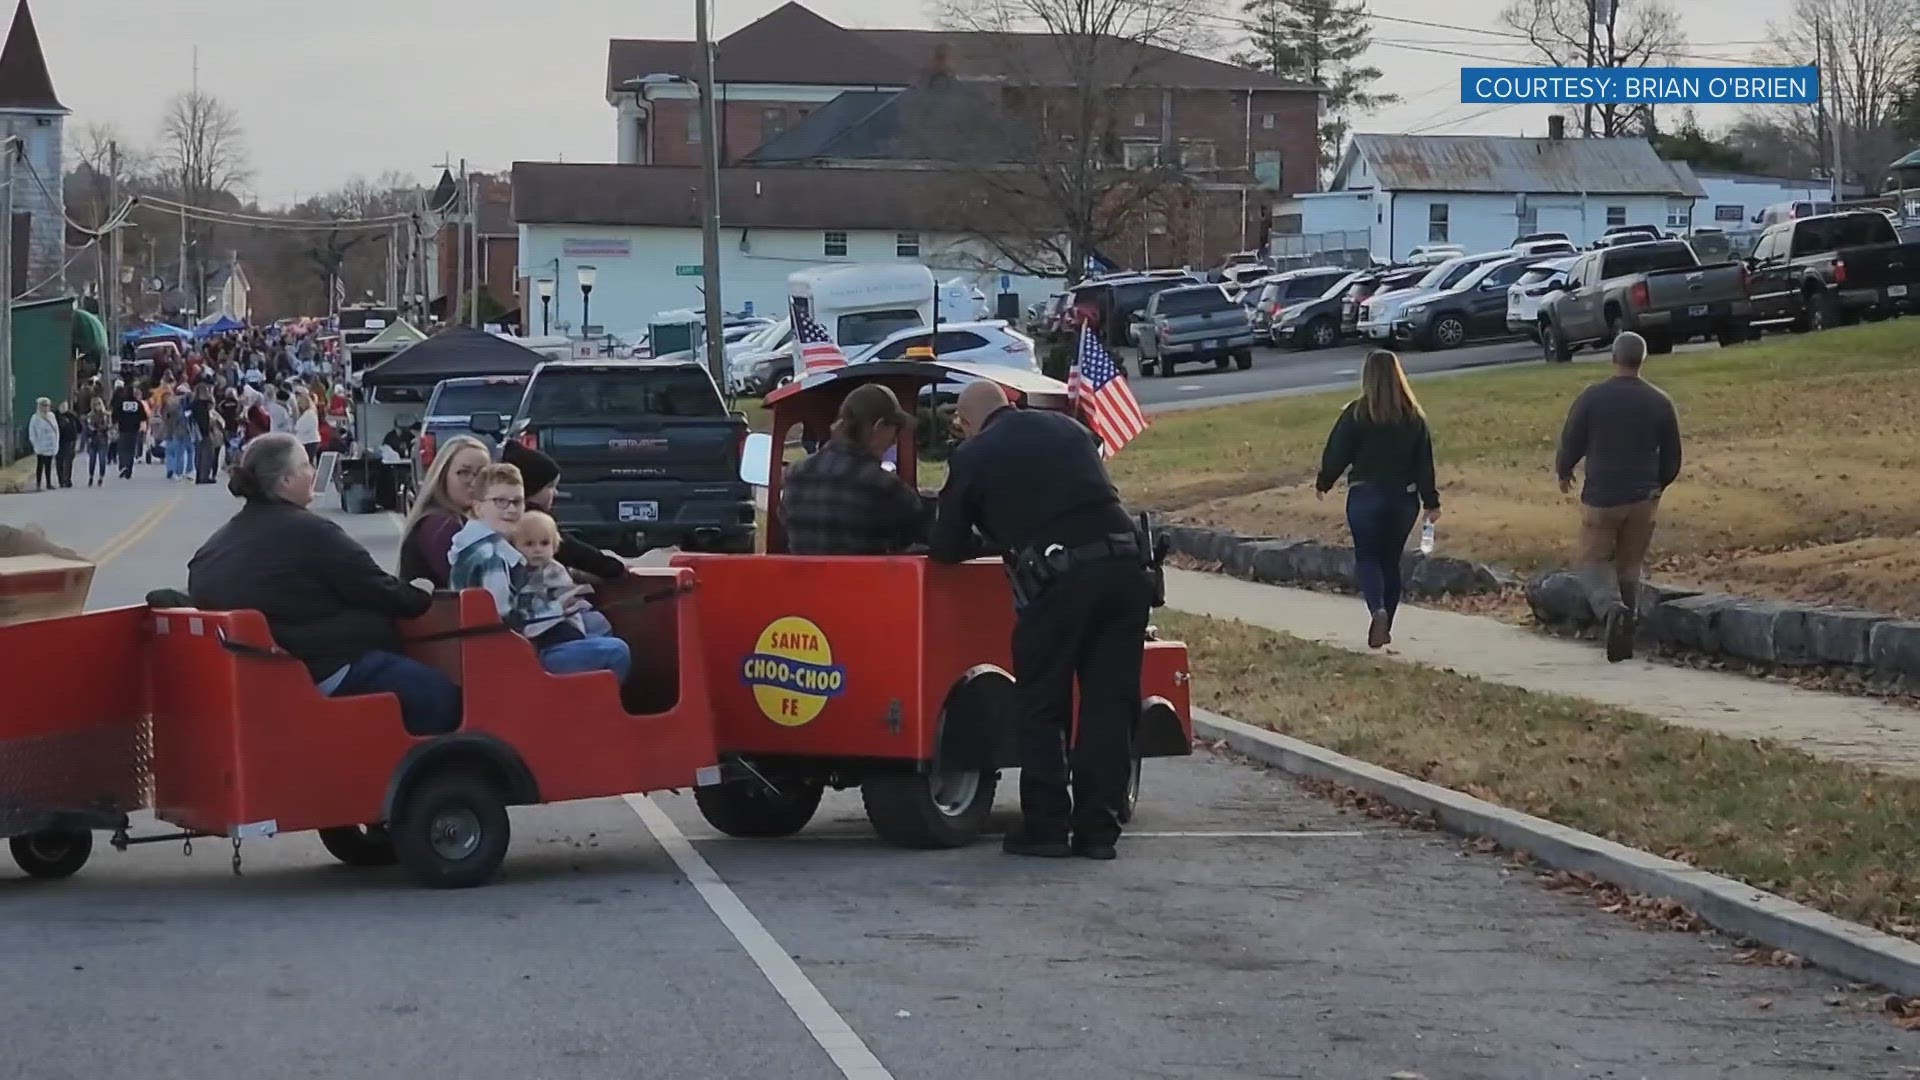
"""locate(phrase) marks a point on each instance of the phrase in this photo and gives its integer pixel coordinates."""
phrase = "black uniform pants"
(1091, 626)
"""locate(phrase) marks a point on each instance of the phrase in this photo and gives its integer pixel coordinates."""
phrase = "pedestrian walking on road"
(99, 439)
(1382, 443)
(1034, 484)
(130, 416)
(69, 443)
(43, 432)
(1627, 432)
(205, 423)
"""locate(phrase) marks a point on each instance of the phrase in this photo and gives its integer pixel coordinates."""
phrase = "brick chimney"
(1556, 127)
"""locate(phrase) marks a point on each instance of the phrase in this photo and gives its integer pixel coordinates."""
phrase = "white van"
(860, 305)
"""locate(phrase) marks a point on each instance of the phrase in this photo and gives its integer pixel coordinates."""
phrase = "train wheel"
(357, 846)
(452, 832)
(929, 810)
(53, 854)
(749, 809)
(1133, 789)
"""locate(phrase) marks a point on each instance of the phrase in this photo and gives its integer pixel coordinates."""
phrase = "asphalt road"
(1278, 372)
(1248, 930)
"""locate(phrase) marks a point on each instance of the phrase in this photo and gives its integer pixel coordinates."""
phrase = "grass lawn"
(1800, 458)
(1833, 836)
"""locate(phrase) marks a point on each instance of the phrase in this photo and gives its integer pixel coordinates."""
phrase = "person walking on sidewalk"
(43, 432)
(1381, 441)
(1627, 432)
(69, 443)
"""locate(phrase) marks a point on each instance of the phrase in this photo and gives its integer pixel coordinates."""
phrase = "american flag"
(1098, 392)
(817, 350)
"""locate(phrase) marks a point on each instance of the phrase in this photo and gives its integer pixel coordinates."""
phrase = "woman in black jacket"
(325, 599)
(1382, 443)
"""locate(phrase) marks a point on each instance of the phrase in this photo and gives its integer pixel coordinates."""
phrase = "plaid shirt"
(839, 501)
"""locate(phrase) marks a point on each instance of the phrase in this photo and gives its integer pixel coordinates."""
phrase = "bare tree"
(1074, 75)
(202, 157)
(1867, 53)
(1637, 33)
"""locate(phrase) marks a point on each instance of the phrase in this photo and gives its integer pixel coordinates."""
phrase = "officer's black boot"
(1039, 843)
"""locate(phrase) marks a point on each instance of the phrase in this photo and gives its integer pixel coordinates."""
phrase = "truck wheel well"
(479, 755)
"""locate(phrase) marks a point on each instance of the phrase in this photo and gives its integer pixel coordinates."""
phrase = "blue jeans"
(179, 461)
(1380, 519)
(588, 654)
(429, 701)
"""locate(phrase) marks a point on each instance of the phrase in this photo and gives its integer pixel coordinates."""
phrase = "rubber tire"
(1554, 349)
(359, 846)
(745, 809)
(1659, 344)
(1322, 333)
(1132, 801)
(1613, 329)
(70, 850)
(1734, 336)
(1823, 313)
(1163, 367)
(900, 809)
(1223, 362)
(1436, 342)
(412, 843)
(1243, 359)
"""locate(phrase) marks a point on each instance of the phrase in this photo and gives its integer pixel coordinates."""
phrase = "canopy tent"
(152, 331)
(219, 324)
(453, 353)
(89, 335)
(398, 335)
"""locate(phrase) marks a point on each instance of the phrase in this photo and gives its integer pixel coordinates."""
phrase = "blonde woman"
(1382, 444)
(445, 501)
(306, 425)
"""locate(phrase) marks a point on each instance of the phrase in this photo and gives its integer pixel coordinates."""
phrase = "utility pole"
(1836, 121)
(710, 220)
(8, 148)
(110, 285)
(457, 296)
(473, 261)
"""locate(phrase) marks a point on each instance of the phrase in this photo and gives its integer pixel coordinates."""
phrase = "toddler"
(555, 610)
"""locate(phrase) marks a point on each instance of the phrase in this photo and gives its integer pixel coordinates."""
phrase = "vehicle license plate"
(640, 511)
(1896, 290)
(1698, 310)
(1213, 343)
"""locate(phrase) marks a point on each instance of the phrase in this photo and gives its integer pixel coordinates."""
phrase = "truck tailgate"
(645, 448)
(1688, 286)
(1874, 266)
(1207, 325)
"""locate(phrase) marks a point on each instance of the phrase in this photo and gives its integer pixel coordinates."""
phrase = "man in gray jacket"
(1627, 432)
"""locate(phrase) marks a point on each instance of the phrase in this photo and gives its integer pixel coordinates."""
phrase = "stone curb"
(1857, 952)
(1777, 633)
(1272, 560)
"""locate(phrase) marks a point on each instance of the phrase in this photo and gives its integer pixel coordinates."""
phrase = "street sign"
(1006, 282)
(747, 308)
(684, 270)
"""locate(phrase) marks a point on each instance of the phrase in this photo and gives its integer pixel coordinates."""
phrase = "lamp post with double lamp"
(710, 168)
(545, 286)
(586, 275)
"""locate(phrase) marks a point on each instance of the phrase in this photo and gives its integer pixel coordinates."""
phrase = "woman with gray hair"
(325, 599)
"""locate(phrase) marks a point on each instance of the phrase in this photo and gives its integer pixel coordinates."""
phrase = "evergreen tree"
(1319, 41)
(1690, 144)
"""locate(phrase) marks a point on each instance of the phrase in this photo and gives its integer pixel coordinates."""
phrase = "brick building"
(499, 241)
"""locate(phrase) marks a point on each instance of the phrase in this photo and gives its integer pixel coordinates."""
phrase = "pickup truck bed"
(1819, 271)
(1195, 324)
(1658, 290)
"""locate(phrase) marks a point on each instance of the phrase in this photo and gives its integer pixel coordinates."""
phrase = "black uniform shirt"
(1028, 477)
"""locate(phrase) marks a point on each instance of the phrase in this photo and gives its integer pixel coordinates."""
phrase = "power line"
(1469, 118)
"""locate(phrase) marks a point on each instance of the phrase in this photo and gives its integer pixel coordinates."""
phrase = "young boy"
(483, 557)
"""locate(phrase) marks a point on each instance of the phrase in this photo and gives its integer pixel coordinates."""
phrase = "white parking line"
(1271, 834)
(1192, 387)
(1348, 371)
(849, 1054)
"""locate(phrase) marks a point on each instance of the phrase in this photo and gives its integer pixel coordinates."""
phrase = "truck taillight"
(1166, 332)
(1642, 295)
(426, 448)
(1839, 271)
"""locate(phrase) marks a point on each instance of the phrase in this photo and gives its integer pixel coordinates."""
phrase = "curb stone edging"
(1857, 952)
(1274, 560)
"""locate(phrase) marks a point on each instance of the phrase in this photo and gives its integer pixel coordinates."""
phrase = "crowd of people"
(190, 411)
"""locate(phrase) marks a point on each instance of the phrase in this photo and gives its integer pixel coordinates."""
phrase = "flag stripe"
(1097, 390)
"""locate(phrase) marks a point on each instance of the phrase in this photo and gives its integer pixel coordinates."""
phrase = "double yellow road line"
(136, 532)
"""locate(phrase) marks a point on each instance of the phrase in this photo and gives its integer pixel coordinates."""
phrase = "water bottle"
(1426, 539)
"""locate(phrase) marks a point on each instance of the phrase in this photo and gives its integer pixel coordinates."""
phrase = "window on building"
(1140, 155)
(1725, 212)
(1266, 121)
(1616, 215)
(1268, 170)
(835, 245)
(1197, 155)
(1677, 215)
(693, 126)
(1437, 223)
(1139, 119)
(773, 123)
(906, 245)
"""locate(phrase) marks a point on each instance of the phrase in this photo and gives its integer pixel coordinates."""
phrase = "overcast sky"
(363, 86)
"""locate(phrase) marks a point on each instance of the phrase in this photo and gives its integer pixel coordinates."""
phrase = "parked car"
(1371, 283)
(1658, 290)
(763, 362)
(1316, 323)
(1711, 245)
(1237, 279)
(1816, 272)
(1544, 247)
(1281, 292)
(1428, 254)
(650, 454)
(1473, 307)
(1109, 304)
(993, 342)
(1525, 294)
(1381, 310)
(1780, 213)
(1626, 234)
(1042, 315)
(471, 406)
(1538, 237)
(1194, 323)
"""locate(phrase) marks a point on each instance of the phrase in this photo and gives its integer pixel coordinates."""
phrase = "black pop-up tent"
(454, 353)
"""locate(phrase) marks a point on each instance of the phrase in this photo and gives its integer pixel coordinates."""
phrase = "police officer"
(1033, 484)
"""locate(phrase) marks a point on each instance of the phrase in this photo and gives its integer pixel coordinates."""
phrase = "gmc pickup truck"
(1659, 290)
(1816, 272)
(1198, 323)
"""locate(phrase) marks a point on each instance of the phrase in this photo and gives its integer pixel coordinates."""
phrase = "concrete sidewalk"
(1854, 729)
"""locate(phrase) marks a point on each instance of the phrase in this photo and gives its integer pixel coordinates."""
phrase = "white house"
(639, 228)
(30, 111)
(1733, 201)
(1392, 193)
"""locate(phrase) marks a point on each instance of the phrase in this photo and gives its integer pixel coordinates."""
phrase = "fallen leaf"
(1762, 1003)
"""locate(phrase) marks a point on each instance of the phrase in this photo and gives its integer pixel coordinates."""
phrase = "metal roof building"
(1510, 165)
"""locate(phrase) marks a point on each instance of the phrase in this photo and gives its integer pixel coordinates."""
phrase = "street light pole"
(586, 276)
(710, 220)
(545, 287)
